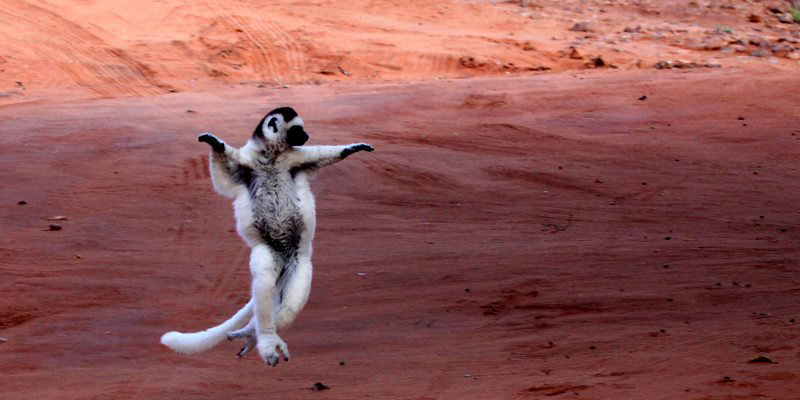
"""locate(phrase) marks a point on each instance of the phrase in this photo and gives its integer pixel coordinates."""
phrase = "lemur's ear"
(273, 124)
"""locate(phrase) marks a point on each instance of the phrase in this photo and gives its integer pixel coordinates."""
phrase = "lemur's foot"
(212, 140)
(248, 335)
(249, 343)
(245, 333)
(269, 346)
(356, 148)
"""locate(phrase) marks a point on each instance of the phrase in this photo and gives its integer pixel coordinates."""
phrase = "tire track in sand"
(277, 57)
(105, 71)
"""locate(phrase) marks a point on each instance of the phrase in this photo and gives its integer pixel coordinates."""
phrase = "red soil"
(534, 236)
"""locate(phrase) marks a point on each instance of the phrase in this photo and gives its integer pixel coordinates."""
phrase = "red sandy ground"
(528, 236)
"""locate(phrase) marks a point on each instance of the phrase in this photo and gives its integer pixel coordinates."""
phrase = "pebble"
(575, 54)
(319, 386)
(782, 50)
(3, 340)
(54, 227)
(786, 18)
(734, 48)
(581, 27)
(761, 360)
(22, 202)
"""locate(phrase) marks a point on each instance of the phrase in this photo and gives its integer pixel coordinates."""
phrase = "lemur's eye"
(273, 124)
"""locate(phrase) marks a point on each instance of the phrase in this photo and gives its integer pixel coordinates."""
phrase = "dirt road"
(510, 237)
(532, 224)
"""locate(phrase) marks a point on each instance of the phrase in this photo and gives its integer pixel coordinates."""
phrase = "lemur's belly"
(276, 215)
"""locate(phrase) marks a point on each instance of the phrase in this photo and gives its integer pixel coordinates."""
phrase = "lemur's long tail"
(198, 342)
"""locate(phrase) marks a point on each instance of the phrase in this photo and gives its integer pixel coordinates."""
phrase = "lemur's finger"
(213, 141)
(285, 350)
(356, 148)
(272, 360)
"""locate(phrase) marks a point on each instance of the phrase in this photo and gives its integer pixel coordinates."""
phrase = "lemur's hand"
(356, 148)
(212, 140)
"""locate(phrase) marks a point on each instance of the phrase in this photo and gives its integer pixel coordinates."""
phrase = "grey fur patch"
(276, 212)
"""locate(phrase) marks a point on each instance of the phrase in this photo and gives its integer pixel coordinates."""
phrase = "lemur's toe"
(247, 347)
(273, 360)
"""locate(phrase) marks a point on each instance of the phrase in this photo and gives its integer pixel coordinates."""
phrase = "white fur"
(197, 342)
(266, 313)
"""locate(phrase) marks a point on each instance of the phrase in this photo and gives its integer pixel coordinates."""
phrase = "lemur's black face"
(280, 128)
(296, 136)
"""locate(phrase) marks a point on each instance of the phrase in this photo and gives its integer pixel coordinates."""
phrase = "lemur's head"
(280, 129)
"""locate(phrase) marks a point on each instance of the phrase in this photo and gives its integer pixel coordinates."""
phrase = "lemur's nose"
(296, 136)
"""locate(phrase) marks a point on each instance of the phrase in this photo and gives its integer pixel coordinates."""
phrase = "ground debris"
(581, 27)
(54, 227)
(680, 64)
(319, 386)
(575, 54)
(761, 360)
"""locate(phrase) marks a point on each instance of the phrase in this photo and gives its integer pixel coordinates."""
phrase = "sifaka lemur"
(268, 180)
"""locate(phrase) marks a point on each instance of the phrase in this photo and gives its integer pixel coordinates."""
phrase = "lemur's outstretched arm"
(314, 157)
(224, 165)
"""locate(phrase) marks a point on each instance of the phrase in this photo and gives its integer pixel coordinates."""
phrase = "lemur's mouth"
(296, 136)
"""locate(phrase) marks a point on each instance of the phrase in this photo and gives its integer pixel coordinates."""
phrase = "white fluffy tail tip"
(189, 343)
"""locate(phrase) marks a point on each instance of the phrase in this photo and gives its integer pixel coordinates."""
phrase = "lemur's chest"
(275, 205)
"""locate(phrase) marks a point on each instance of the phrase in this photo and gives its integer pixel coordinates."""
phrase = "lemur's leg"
(295, 293)
(226, 171)
(298, 285)
(313, 157)
(264, 268)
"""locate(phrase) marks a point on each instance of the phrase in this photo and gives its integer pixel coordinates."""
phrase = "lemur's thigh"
(264, 270)
(295, 292)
